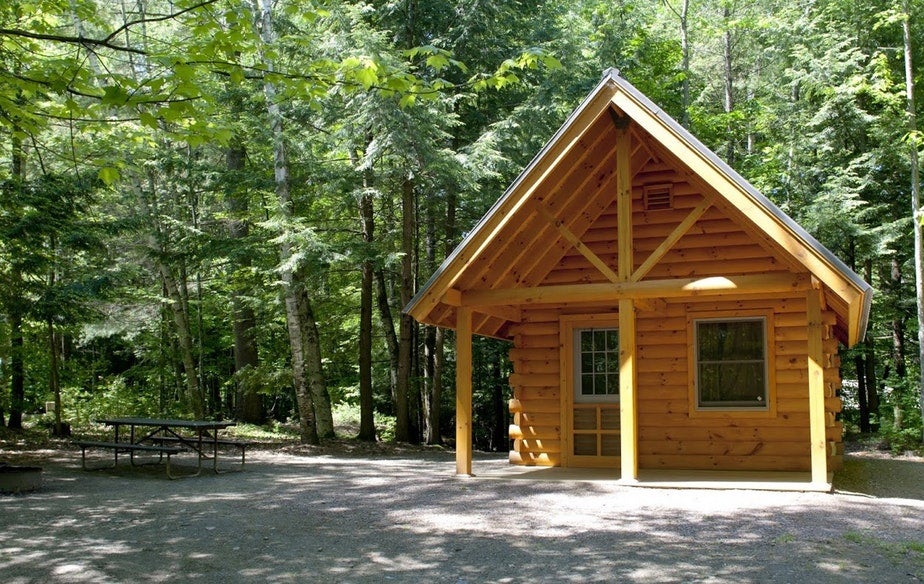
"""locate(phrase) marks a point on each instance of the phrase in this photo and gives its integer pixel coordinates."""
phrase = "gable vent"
(659, 197)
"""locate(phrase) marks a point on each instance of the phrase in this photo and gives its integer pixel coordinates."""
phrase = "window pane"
(731, 363)
(587, 362)
(585, 444)
(722, 341)
(609, 418)
(585, 419)
(587, 384)
(587, 341)
(600, 341)
(612, 340)
(596, 364)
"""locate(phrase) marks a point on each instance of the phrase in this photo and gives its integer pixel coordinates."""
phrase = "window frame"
(768, 409)
(577, 372)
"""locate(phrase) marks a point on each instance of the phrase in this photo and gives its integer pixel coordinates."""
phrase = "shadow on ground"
(882, 476)
(407, 519)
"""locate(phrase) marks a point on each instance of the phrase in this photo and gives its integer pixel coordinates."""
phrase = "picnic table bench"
(239, 444)
(123, 447)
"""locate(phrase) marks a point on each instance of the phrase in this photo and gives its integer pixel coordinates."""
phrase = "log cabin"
(663, 314)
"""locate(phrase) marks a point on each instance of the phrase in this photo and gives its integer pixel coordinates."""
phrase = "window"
(731, 363)
(590, 420)
(596, 365)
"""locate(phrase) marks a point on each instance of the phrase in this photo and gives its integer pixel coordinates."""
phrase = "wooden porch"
(666, 479)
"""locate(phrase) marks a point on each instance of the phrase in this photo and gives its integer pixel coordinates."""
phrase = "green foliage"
(111, 397)
(901, 415)
(274, 432)
(127, 123)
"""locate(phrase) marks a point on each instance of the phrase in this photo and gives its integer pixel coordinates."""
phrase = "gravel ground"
(404, 517)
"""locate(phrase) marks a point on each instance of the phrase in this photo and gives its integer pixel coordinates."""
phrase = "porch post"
(628, 434)
(628, 430)
(816, 389)
(463, 390)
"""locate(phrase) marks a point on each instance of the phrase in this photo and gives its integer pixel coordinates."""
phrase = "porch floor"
(666, 479)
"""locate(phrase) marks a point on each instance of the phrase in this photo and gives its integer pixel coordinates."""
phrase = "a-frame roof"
(553, 206)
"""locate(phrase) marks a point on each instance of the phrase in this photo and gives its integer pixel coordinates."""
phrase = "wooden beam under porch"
(663, 479)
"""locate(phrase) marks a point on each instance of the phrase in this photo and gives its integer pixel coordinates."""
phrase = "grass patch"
(909, 554)
(273, 432)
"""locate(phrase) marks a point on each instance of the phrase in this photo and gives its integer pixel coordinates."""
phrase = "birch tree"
(293, 294)
(914, 142)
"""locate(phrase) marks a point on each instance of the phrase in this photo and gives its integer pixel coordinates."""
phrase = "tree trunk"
(685, 48)
(729, 86)
(500, 426)
(915, 199)
(53, 379)
(366, 402)
(429, 396)
(898, 344)
(178, 305)
(682, 15)
(17, 368)
(308, 429)
(439, 334)
(429, 391)
(248, 401)
(15, 310)
(290, 284)
(872, 382)
(406, 323)
(388, 330)
(314, 365)
(859, 363)
(4, 376)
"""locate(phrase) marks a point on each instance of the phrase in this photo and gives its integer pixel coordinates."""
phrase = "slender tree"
(291, 285)
(914, 143)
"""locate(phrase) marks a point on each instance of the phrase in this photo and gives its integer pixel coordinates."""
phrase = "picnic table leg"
(115, 451)
(169, 475)
(83, 460)
(197, 446)
(131, 438)
(215, 451)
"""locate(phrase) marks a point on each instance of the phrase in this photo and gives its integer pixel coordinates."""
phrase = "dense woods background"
(219, 207)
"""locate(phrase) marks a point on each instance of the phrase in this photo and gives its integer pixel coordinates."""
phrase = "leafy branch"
(106, 42)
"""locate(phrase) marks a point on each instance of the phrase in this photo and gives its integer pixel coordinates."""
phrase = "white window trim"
(766, 362)
(576, 381)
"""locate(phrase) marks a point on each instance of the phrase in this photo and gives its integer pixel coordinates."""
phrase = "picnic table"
(164, 437)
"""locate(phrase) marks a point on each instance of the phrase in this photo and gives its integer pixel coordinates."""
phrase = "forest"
(219, 208)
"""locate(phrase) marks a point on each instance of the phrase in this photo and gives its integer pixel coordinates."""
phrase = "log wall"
(671, 434)
(536, 403)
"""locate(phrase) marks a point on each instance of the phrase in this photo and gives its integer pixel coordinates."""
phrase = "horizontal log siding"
(536, 427)
(714, 246)
(669, 437)
(834, 428)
